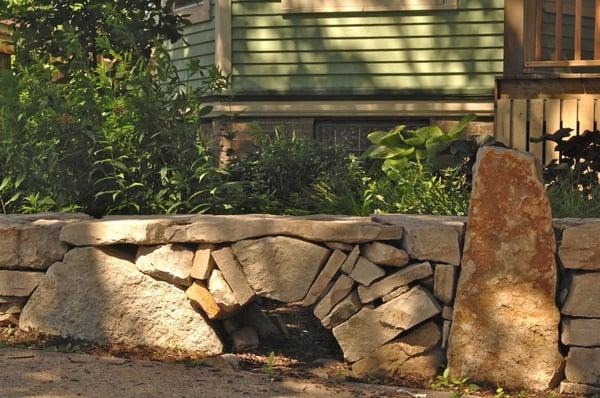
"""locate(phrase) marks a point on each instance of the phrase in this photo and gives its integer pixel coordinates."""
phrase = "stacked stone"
(28, 246)
(579, 254)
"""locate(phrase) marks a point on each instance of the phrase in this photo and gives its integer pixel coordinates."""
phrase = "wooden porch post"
(514, 37)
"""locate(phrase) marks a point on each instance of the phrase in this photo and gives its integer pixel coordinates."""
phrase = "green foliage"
(278, 177)
(400, 145)
(457, 386)
(268, 368)
(573, 179)
(122, 137)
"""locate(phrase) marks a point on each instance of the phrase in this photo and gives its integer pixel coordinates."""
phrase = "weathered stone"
(12, 299)
(245, 339)
(395, 293)
(251, 315)
(280, 268)
(345, 247)
(11, 308)
(394, 281)
(581, 332)
(580, 247)
(112, 230)
(415, 355)
(98, 296)
(445, 333)
(34, 245)
(384, 254)
(342, 311)
(427, 283)
(430, 238)
(227, 362)
(371, 328)
(351, 260)
(9, 320)
(582, 300)
(365, 272)
(444, 282)
(447, 312)
(505, 325)
(216, 299)
(318, 228)
(171, 263)
(568, 388)
(203, 263)
(234, 275)
(340, 289)
(19, 283)
(583, 365)
(325, 276)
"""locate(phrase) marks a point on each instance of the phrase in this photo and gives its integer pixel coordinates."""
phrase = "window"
(194, 10)
(320, 6)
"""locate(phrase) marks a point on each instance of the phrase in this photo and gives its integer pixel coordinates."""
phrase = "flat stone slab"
(19, 283)
(99, 296)
(583, 365)
(370, 328)
(580, 247)
(384, 254)
(506, 323)
(568, 388)
(112, 230)
(324, 278)
(581, 332)
(430, 238)
(31, 244)
(582, 299)
(319, 228)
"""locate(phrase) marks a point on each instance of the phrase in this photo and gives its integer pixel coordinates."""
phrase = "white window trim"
(195, 12)
(321, 6)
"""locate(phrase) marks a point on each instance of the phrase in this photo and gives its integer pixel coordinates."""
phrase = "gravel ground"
(32, 373)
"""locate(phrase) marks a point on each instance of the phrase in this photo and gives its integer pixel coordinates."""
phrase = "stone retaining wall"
(385, 285)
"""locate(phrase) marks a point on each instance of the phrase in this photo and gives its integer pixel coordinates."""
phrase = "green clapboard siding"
(200, 44)
(437, 53)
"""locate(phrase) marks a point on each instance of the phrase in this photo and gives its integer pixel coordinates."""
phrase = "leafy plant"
(458, 386)
(269, 369)
(400, 145)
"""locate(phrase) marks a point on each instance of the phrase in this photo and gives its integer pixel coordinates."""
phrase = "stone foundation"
(385, 285)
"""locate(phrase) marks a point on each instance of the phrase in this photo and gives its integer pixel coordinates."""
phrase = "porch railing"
(558, 59)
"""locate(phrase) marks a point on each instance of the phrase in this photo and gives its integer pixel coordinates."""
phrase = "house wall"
(429, 53)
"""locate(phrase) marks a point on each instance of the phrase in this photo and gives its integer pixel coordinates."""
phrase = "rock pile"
(580, 256)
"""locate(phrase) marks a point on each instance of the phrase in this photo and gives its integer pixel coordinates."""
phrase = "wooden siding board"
(519, 125)
(445, 52)
(586, 114)
(536, 126)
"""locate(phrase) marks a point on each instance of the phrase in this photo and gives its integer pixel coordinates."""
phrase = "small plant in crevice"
(269, 366)
(458, 386)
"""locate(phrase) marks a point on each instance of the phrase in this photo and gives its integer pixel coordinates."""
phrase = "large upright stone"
(98, 296)
(280, 268)
(580, 247)
(505, 325)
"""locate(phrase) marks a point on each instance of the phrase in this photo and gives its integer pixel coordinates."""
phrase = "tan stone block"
(351, 260)
(580, 247)
(170, 262)
(203, 262)
(19, 283)
(371, 328)
(583, 365)
(342, 311)
(365, 272)
(391, 282)
(582, 299)
(233, 274)
(384, 254)
(444, 282)
(340, 289)
(325, 276)
(414, 355)
(581, 332)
